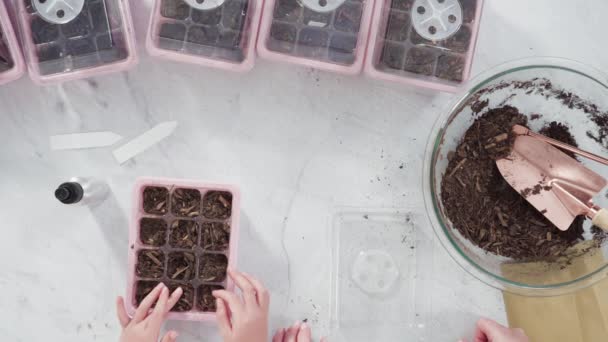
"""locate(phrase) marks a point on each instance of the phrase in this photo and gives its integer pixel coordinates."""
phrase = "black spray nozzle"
(69, 193)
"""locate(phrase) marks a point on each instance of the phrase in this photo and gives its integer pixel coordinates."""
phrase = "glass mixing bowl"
(559, 90)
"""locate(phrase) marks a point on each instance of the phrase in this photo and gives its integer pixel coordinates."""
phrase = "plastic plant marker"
(144, 141)
(83, 140)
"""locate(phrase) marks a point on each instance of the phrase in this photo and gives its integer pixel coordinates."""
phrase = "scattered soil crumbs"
(484, 207)
(205, 300)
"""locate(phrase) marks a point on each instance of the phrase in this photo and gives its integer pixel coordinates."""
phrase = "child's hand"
(489, 331)
(243, 319)
(299, 332)
(145, 325)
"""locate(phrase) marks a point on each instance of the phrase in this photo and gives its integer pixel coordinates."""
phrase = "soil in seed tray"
(213, 268)
(312, 18)
(404, 5)
(181, 266)
(150, 264)
(459, 42)
(156, 200)
(234, 15)
(348, 18)
(153, 231)
(342, 48)
(287, 10)
(175, 9)
(283, 37)
(186, 301)
(142, 289)
(485, 208)
(5, 55)
(217, 205)
(420, 60)
(398, 26)
(186, 202)
(215, 236)
(450, 68)
(184, 234)
(210, 17)
(392, 55)
(205, 300)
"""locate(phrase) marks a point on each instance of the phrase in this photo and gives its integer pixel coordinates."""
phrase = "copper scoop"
(557, 185)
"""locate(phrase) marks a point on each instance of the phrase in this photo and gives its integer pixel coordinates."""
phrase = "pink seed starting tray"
(323, 34)
(72, 39)
(11, 61)
(185, 234)
(428, 43)
(215, 33)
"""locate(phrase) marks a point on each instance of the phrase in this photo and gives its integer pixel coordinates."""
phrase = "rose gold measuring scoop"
(557, 185)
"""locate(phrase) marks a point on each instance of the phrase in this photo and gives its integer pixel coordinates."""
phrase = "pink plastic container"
(63, 44)
(218, 34)
(441, 59)
(156, 204)
(11, 60)
(291, 31)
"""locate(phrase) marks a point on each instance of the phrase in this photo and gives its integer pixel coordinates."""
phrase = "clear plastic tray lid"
(382, 263)
(217, 29)
(6, 59)
(68, 35)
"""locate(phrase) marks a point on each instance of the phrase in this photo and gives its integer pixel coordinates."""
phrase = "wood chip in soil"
(215, 236)
(155, 200)
(183, 234)
(186, 202)
(150, 264)
(153, 231)
(213, 268)
(205, 300)
(217, 205)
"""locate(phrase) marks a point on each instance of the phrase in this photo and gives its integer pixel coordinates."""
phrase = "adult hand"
(299, 332)
(246, 318)
(147, 322)
(489, 331)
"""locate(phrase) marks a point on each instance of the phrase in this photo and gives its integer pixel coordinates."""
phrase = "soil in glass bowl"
(485, 209)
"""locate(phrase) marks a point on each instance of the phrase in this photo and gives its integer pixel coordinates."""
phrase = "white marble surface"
(299, 143)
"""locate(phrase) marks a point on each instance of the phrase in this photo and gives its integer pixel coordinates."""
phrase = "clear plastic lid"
(382, 264)
(6, 58)
(11, 61)
(215, 29)
(325, 31)
(70, 35)
(431, 40)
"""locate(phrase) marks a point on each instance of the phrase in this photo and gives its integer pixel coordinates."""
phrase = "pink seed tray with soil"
(218, 34)
(323, 34)
(182, 233)
(11, 60)
(426, 43)
(88, 38)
